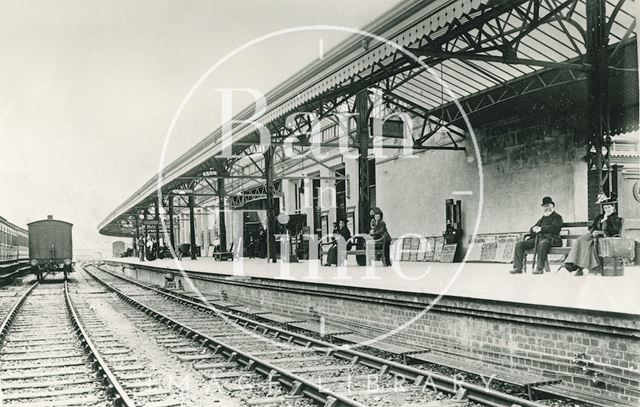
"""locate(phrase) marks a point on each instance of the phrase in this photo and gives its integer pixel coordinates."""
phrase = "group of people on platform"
(543, 235)
(257, 244)
(150, 249)
(377, 231)
(546, 234)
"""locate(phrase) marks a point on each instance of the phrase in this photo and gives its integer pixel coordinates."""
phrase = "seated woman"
(342, 230)
(583, 254)
(381, 235)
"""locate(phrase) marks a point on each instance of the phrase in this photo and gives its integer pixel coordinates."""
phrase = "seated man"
(547, 231)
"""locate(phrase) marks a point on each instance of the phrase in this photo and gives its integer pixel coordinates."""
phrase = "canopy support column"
(599, 172)
(221, 215)
(362, 123)
(156, 217)
(172, 240)
(192, 227)
(135, 242)
(271, 240)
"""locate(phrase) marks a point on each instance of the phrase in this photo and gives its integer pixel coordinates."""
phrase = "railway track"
(46, 359)
(54, 351)
(302, 367)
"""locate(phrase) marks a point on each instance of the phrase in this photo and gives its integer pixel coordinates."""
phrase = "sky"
(89, 88)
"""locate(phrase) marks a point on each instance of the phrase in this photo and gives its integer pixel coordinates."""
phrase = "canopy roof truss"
(473, 54)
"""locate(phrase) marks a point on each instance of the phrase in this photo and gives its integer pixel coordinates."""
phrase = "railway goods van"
(50, 247)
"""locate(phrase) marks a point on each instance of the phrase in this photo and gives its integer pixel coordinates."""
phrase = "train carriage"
(50, 247)
(13, 241)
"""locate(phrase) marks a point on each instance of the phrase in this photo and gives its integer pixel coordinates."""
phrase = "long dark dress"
(583, 254)
(332, 256)
(383, 240)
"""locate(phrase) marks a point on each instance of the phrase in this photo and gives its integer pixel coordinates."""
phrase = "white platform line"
(462, 193)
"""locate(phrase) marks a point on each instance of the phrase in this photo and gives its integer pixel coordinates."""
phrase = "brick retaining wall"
(542, 340)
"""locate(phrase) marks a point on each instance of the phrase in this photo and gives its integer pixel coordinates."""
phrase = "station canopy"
(446, 54)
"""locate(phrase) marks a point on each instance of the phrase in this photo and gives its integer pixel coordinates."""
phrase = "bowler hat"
(547, 200)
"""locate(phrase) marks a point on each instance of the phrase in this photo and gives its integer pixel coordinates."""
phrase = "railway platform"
(481, 281)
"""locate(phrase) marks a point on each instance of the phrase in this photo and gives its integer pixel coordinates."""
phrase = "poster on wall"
(506, 246)
(493, 248)
(430, 249)
(324, 221)
(437, 255)
(411, 249)
(474, 252)
(449, 252)
(406, 245)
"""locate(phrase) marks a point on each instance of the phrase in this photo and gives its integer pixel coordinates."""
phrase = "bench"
(375, 251)
(224, 256)
(567, 242)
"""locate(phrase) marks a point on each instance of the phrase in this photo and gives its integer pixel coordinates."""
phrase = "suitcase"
(616, 247)
(612, 266)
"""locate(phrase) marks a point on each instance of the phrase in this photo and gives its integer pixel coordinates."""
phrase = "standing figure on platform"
(155, 249)
(583, 252)
(546, 232)
(332, 256)
(381, 236)
(141, 248)
(262, 243)
(251, 245)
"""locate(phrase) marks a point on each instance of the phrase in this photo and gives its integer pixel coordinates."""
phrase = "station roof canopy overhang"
(485, 52)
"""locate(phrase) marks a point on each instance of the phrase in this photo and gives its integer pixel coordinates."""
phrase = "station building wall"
(412, 191)
(518, 167)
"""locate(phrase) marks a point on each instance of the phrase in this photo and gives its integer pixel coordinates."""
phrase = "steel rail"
(121, 399)
(483, 395)
(8, 319)
(114, 388)
(16, 273)
(297, 385)
(12, 261)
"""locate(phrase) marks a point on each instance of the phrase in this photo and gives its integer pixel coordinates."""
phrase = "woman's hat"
(603, 199)
(376, 210)
(547, 200)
